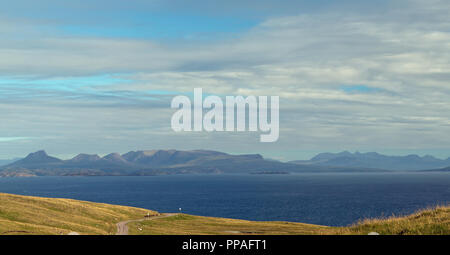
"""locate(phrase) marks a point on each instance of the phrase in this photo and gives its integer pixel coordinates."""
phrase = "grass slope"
(37, 215)
(54, 216)
(184, 224)
(434, 221)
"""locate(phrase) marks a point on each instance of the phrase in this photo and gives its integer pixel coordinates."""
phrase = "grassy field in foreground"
(54, 216)
(434, 221)
(37, 215)
(184, 224)
(426, 222)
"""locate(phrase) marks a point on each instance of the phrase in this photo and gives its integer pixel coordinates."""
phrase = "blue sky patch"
(62, 83)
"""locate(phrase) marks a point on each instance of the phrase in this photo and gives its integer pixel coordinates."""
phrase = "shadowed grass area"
(434, 221)
(53, 216)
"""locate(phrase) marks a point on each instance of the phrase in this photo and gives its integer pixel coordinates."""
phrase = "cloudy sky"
(98, 76)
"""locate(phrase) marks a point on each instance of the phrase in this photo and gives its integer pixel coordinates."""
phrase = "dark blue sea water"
(327, 199)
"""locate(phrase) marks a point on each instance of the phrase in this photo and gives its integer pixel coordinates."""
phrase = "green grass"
(54, 216)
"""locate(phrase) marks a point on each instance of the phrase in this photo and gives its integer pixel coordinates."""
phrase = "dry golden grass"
(432, 221)
(184, 224)
(37, 215)
(435, 221)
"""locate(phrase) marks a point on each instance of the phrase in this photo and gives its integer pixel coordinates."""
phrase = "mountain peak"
(39, 153)
(85, 157)
(114, 157)
(39, 157)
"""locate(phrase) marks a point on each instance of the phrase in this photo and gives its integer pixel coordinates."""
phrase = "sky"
(98, 76)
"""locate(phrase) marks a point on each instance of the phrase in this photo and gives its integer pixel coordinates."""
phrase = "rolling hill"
(433, 221)
(55, 216)
(26, 215)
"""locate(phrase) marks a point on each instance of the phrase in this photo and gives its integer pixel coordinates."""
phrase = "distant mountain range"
(159, 162)
(375, 160)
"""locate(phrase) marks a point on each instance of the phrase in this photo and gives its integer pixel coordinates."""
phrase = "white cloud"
(305, 59)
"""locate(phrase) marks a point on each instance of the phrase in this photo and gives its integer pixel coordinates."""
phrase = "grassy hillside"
(435, 221)
(54, 216)
(184, 224)
(426, 222)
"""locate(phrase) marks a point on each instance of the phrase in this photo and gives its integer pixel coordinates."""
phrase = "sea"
(339, 199)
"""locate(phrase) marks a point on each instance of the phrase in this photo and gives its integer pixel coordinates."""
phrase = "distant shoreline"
(20, 175)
